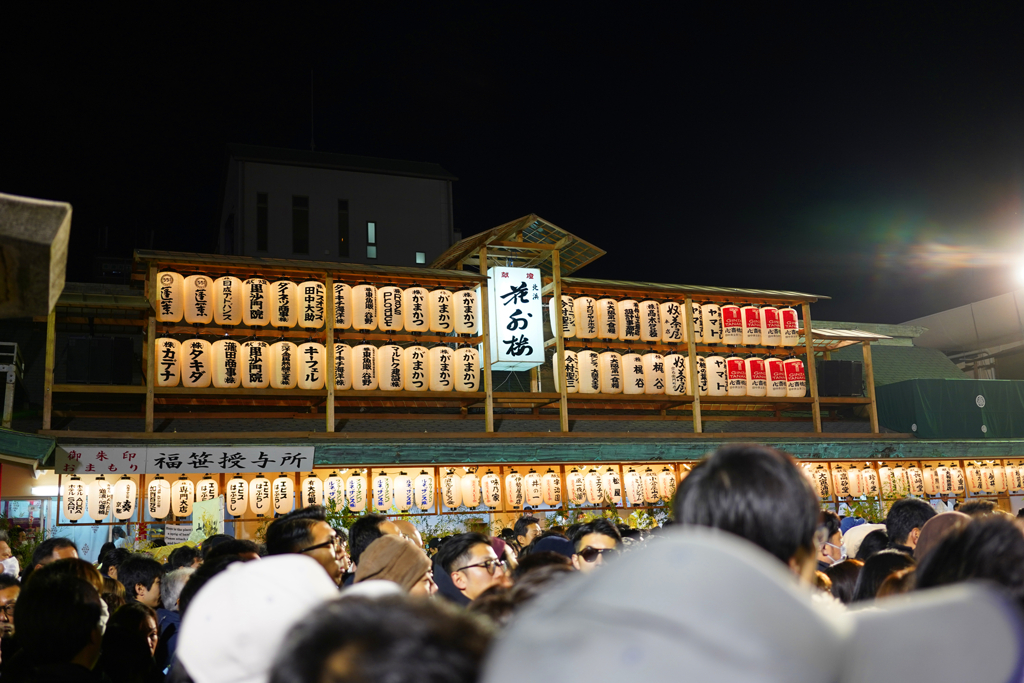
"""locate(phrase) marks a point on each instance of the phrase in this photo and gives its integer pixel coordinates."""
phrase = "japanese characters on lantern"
(284, 365)
(464, 305)
(415, 308)
(312, 366)
(257, 358)
(312, 304)
(225, 364)
(389, 362)
(255, 309)
(389, 309)
(441, 368)
(416, 368)
(196, 368)
(198, 300)
(227, 300)
(451, 490)
(516, 332)
(284, 307)
(440, 318)
(170, 297)
(168, 362)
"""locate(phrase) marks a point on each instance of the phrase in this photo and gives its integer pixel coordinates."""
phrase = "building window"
(300, 225)
(342, 227)
(371, 240)
(261, 221)
(421, 257)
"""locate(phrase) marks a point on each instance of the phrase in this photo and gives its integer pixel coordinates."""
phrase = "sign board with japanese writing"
(183, 460)
(516, 318)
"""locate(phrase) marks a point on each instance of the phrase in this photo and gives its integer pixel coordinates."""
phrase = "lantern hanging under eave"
(261, 501)
(1014, 481)
(886, 481)
(466, 312)
(207, 489)
(256, 362)
(999, 474)
(612, 486)
(567, 311)
(124, 497)
(750, 319)
(666, 484)
(900, 478)
(284, 303)
(572, 372)
(790, 325)
(629, 320)
(650, 321)
(284, 365)
(226, 363)
(796, 380)
(711, 322)
(930, 480)
(342, 367)
(771, 327)
(697, 316)
(551, 488)
(959, 480)
(653, 365)
(389, 309)
(183, 494)
(677, 374)
(441, 369)
(198, 300)
(809, 474)
(440, 312)
(312, 491)
(652, 494)
(227, 300)
(382, 493)
(74, 499)
(673, 324)
(196, 366)
(586, 317)
(423, 491)
(593, 485)
(634, 486)
(170, 297)
(590, 371)
(975, 484)
(467, 369)
(869, 482)
(416, 309)
(607, 319)
(775, 374)
(756, 376)
(158, 498)
(312, 366)
(416, 368)
(533, 489)
(364, 307)
(355, 491)
(732, 325)
(822, 482)
(451, 490)
(736, 372)
(841, 482)
(988, 479)
(575, 487)
(611, 372)
(312, 304)
(856, 481)
(515, 490)
(389, 367)
(283, 492)
(99, 499)
(491, 488)
(702, 375)
(915, 481)
(256, 302)
(168, 362)
(717, 376)
(342, 306)
(402, 493)
(364, 367)
(632, 374)
(237, 498)
(334, 490)
(945, 479)
(471, 493)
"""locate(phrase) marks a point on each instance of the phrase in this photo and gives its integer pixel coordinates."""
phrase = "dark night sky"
(856, 154)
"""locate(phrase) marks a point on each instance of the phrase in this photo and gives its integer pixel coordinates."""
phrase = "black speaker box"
(840, 378)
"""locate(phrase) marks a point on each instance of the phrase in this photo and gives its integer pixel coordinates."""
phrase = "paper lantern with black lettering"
(703, 378)
(988, 479)
(673, 324)
(959, 480)
(441, 369)
(383, 489)
(99, 499)
(575, 487)
(930, 480)
(822, 481)
(593, 484)
(572, 372)
(237, 498)
(284, 303)
(183, 494)
(1014, 481)
(168, 362)
(841, 480)
(736, 373)
(586, 317)
(515, 490)
(283, 490)
(629, 320)
(650, 482)
(796, 380)
(389, 309)
(612, 485)
(467, 369)
(886, 481)
(198, 300)
(196, 365)
(653, 365)
(364, 367)
(207, 489)
(261, 500)
(750, 319)
(226, 363)
(415, 309)
(533, 489)
(999, 474)
(342, 367)
(491, 486)
(945, 479)
(312, 491)
(170, 297)
(732, 325)
(611, 372)
(633, 374)
(227, 300)
(677, 374)
(124, 498)
(423, 491)
(666, 484)
(756, 376)
(334, 490)
(975, 481)
(158, 498)
(364, 307)
(775, 372)
(607, 319)
(256, 302)
(567, 311)
(451, 490)
(869, 482)
(342, 306)
(697, 315)
(312, 366)
(856, 481)
(355, 491)
(551, 488)
(590, 371)
(466, 311)
(790, 325)
(718, 376)
(634, 486)
(470, 490)
(650, 321)
(312, 305)
(440, 312)
(416, 368)
(74, 499)
(389, 367)
(403, 494)
(771, 327)
(711, 322)
(254, 366)
(901, 477)
(915, 481)
(284, 365)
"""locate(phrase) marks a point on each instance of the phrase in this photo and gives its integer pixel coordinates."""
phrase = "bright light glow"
(45, 491)
(1019, 273)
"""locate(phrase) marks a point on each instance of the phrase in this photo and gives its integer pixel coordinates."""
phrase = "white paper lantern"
(666, 484)
(158, 498)
(470, 485)
(255, 362)
(389, 368)
(590, 371)
(711, 322)
(74, 499)
(869, 482)
(796, 381)
(718, 376)
(467, 313)
(653, 365)
(198, 300)
(633, 374)
(736, 373)
(334, 490)
(607, 319)
(634, 486)
(771, 327)
(99, 499)
(415, 309)
(261, 502)
(987, 479)
(170, 297)
(284, 366)
(790, 325)
(312, 491)
(856, 482)
(575, 487)
(551, 488)
(586, 317)
(593, 484)
(975, 479)
(342, 367)
(227, 300)
(389, 309)
(809, 473)
(568, 315)
(822, 481)
(403, 493)
(124, 498)
(168, 362)
(364, 307)
(612, 486)
(572, 372)
(364, 367)
(451, 490)
(841, 481)
(207, 489)
(1014, 480)
(533, 489)
(750, 319)
(440, 312)
(441, 369)
(650, 321)
(703, 380)
(673, 324)
(677, 374)
(901, 478)
(196, 368)
(611, 372)
(342, 306)
(237, 497)
(467, 369)
(416, 368)
(284, 304)
(491, 486)
(225, 356)
(732, 325)
(650, 483)
(915, 481)
(423, 491)
(312, 366)
(959, 480)
(775, 370)
(756, 376)
(999, 474)
(887, 481)
(355, 492)
(312, 305)
(256, 302)
(515, 490)
(183, 494)
(283, 491)
(930, 480)
(382, 492)
(629, 320)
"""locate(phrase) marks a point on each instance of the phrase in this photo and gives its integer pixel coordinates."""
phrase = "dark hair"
(598, 526)
(126, 656)
(400, 640)
(212, 542)
(522, 525)
(48, 547)
(83, 569)
(114, 558)
(131, 615)
(8, 581)
(872, 544)
(292, 532)
(830, 521)
(495, 603)
(362, 533)
(755, 492)
(535, 561)
(56, 614)
(184, 556)
(876, 570)
(988, 548)
(905, 515)
(235, 547)
(138, 569)
(977, 508)
(106, 548)
(844, 579)
(113, 594)
(199, 578)
(897, 583)
(457, 549)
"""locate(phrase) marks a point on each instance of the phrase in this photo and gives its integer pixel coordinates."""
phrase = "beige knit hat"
(393, 558)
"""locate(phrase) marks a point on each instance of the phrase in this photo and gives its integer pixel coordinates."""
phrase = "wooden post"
(51, 347)
(150, 342)
(812, 372)
(329, 324)
(486, 332)
(691, 351)
(869, 377)
(563, 399)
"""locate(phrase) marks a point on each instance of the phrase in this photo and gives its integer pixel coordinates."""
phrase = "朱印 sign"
(516, 318)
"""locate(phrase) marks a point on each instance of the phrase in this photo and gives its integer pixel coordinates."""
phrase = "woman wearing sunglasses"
(595, 542)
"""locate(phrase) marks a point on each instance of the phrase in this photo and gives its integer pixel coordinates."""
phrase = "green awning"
(954, 409)
(27, 449)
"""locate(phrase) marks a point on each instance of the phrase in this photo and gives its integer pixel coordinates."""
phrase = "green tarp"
(954, 409)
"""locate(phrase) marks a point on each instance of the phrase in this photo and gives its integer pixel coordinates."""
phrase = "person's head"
(104, 549)
(393, 639)
(757, 493)
(831, 550)
(141, 577)
(526, 529)
(593, 541)
(212, 542)
(843, 576)
(113, 594)
(897, 583)
(873, 543)
(77, 567)
(396, 559)
(905, 519)
(307, 534)
(53, 549)
(470, 561)
(171, 585)
(59, 619)
(877, 569)
(10, 587)
(977, 508)
(935, 529)
(185, 556)
(111, 561)
(409, 530)
(365, 531)
(535, 561)
(988, 548)
(138, 619)
(246, 550)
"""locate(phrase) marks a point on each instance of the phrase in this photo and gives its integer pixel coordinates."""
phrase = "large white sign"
(516, 318)
(183, 460)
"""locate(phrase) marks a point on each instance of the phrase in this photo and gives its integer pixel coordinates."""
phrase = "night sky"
(874, 155)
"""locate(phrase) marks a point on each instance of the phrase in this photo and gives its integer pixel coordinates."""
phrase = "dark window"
(342, 227)
(300, 225)
(371, 240)
(261, 221)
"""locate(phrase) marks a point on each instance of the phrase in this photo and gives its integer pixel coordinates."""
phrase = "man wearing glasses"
(306, 532)
(470, 561)
(9, 590)
(595, 541)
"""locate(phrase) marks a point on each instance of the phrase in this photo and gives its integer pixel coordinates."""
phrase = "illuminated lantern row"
(451, 490)
(123, 498)
(261, 500)
(515, 490)
(207, 489)
(402, 492)
(551, 488)
(74, 499)
(423, 491)
(382, 493)
(634, 486)
(575, 487)
(158, 498)
(471, 494)
(237, 497)
(490, 487)
(334, 490)
(533, 489)
(99, 499)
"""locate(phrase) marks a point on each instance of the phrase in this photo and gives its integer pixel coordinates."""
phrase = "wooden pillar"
(9, 381)
(869, 378)
(150, 342)
(51, 347)
(486, 330)
(563, 398)
(691, 351)
(329, 325)
(812, 372)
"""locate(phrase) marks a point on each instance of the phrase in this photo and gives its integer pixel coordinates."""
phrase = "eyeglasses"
(591, 554)
(488, 565)
(8, 610)
(332, 544)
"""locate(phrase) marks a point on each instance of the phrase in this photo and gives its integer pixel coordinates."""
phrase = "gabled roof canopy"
(341, 162)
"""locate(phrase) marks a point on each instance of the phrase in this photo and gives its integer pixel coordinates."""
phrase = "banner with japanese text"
(183, 460)
(516, 316)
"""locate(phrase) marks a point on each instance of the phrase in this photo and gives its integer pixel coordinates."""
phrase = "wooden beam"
(812, 372)
(869, 378)
(526, 246)
(691, 351)
(485, 330)
(563, 390)
(329, 325)
(51, 346)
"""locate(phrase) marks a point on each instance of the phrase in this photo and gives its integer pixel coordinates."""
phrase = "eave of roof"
(341, 162)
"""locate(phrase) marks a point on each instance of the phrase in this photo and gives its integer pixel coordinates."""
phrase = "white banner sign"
(177, 533)
(516, 318)
(188, 460)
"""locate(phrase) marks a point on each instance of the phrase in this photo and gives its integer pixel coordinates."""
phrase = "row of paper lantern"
(939, 479)
(100, 498)
(198, 299)
(229, 364)
(608, 372)
(628, 320)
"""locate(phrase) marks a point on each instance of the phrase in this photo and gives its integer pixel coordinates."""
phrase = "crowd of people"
(751, 581)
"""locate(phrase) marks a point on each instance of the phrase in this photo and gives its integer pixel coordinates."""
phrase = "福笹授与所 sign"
(515, 318)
